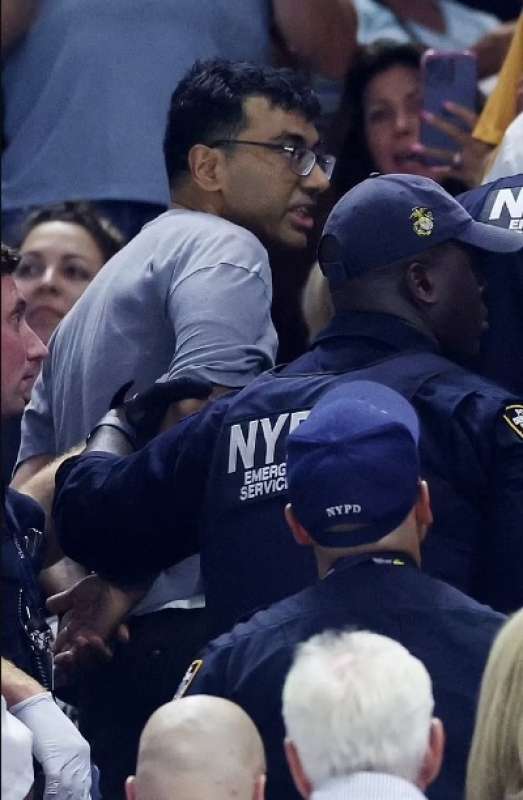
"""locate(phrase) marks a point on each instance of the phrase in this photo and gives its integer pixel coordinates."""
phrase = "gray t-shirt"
(191, 292)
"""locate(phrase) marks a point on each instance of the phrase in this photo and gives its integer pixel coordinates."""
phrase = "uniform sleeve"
(221, 316)
(504, 549)
(129, 518)
(37, 431)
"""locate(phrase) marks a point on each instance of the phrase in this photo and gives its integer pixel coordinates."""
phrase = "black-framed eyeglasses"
(302, 160)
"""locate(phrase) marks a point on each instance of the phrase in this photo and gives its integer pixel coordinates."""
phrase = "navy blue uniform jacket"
(449, 632)
(216, 481)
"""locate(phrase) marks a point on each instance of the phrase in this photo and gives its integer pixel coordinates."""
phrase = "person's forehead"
(271, 122)
(10, 295)
(392, 82)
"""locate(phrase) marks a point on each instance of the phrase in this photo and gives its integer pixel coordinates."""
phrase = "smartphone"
(446, 75)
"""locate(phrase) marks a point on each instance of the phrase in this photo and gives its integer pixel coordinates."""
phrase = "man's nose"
(317, 180)
(36, 350)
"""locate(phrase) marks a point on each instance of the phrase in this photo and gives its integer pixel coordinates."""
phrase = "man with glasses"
(190, 295)
(26, 639)
(192, 292)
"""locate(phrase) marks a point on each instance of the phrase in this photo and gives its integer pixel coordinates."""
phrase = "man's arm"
(321, 35)
(129, 517)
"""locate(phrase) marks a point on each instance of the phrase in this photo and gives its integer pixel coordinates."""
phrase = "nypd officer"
(500, 203)
(356, 497)
(400, 255)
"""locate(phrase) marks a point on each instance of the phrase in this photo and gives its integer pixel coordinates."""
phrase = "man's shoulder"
(183, 225)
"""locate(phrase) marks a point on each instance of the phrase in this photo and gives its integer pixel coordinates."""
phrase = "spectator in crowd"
(358, 719)
(189, 296)
(197, 748)
(62, 249)
(85, 104)
(356, 497)
(407, 300)
(382, 108)
(495, 766)
(26, 640)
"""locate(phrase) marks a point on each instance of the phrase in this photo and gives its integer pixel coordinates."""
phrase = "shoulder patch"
(513, 416)
(188, 678)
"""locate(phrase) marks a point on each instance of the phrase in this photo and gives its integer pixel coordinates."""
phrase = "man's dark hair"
(79, 212)
(10, 259)
(208, 102)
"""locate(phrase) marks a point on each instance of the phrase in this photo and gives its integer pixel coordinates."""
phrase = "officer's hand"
(140, 417)
(145, 411)
(58, 746)
(93, 610)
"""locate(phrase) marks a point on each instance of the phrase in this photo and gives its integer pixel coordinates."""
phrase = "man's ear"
(130, 788)
(298, 531)
(301, 781)
(434, 755)
(419, 279)
(205, 166)
(423, 510)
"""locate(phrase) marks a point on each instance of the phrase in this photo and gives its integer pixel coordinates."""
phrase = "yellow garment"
(500, 108)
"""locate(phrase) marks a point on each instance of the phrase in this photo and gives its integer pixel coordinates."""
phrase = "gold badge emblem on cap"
(422, 221)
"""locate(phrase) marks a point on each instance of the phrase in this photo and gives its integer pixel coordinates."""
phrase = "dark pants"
(115, 702)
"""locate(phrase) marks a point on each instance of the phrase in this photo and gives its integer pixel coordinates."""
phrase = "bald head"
(199, 747)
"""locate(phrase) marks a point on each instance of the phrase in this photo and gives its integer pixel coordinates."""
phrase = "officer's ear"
(423, 510)
(130, 788)
(301, 781)
(298, 531)
(420, 283)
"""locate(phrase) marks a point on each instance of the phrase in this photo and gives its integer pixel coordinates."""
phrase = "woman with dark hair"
(63, 248)
(383, 109)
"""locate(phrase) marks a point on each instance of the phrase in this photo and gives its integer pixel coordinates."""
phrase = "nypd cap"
(389, 218)
(354, 462)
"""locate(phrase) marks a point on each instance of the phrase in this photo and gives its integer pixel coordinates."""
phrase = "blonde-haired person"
(495, 766)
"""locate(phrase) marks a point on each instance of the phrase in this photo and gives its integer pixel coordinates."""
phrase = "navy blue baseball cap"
(389, 218)
(354, 462)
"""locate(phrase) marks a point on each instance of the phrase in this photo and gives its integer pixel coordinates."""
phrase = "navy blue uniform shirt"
(25, 636)
(216, 482)
(500, 203)
(449, 632)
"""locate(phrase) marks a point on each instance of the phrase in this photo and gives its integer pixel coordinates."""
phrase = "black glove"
(140, 417)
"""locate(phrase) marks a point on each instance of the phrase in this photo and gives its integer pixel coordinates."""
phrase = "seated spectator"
(357, 499)
(358, 720)
(199, 748)
(495, 766)
(63, 247)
